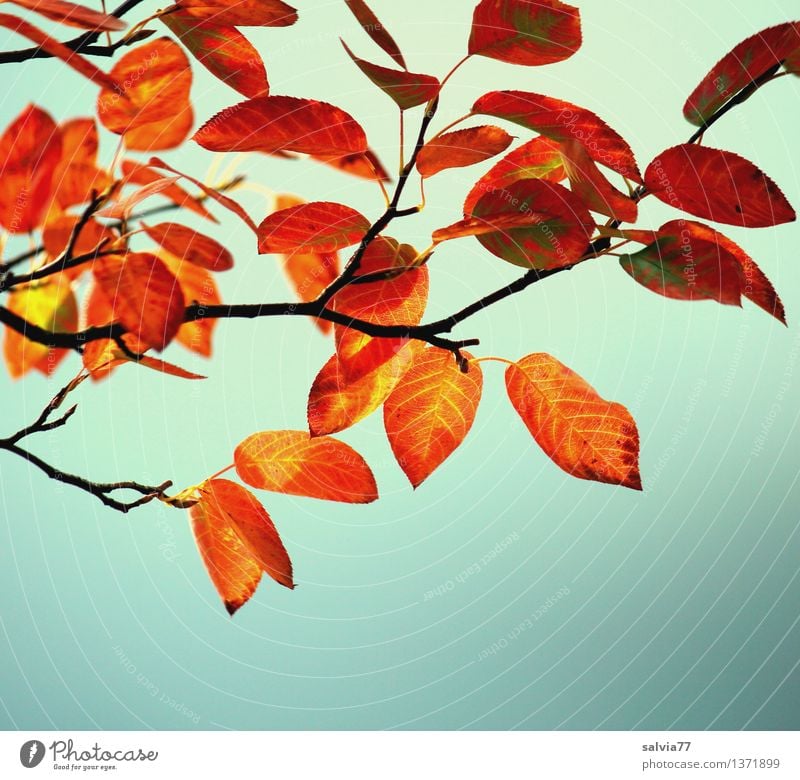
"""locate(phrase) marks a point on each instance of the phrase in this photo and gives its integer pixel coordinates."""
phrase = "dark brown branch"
(102, 490)
(83, 44)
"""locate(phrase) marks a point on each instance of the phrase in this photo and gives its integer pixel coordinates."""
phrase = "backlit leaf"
(150, 106)
(144, 295)
(365, 165)
(531, 223)
(223, 50)
(49, 304)
(461, 148)
(336, 402)
(237, 540)
(379, 34)
(525, 32)
(430, 411)
(406, 89)
(686, 268)
(30, 149)
(188, 244)
(73, 15)
(242, 13)
(77, 176)
(563, 121)
(57, 49)
(717, 185)
(292, 462)
(123, 208)
(311, 227)
(276, 123)
(588, 437)
(536, 159)
(740, 67)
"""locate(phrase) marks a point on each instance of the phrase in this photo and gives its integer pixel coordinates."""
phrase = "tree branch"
(83, 44)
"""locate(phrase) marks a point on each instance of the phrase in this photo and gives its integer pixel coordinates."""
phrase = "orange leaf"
(57, 233)
(536, 159)
(586, 436)
(461, 148)
(237, 540)
(73, 15)
(77, 175)
(223, 50)
(292, 462)
(406, 89)
(365, 165)
(198, 286)
(150, 108)
(51, 305)
(741, 66)
(311, 227)
(243, 13)
(597, 192)
(563, 121)
(122, 208)
(30, 149)
(525, 33)
(379, 34)
(136, 173)
(210, 192)
(717, 185)
(188, 244)
(398, 300)
(336, 403)
(56, 49)
(430, 412)
(531, 223)
(144, 295)
(275, 124)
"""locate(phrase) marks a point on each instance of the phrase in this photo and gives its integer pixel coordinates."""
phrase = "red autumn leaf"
(536, 159)
(49, 304)
(461, 148)
(745, 63)
(406, 89)
(309, 272)
(57, 233)
(589, 184)
(686, 268)
(73, 15)
(150, 107)
(276, 124)
(198, 286)
(365, 165)
(754, 283)
(717, 185)
(124, 206)
(430, 412)
(145, 297)
(336, 402)
(311, 227)
(77, 176)
(525, 32)
(563, 121)
(223, 50)
(379, 34)
(243, 13)
(531, 223)
(30, 149)
(292, 462)
(188, 244)
(237, 540)
(57, 49)
(588, 437)
(399, 299)
(211, 193)
(136, 173)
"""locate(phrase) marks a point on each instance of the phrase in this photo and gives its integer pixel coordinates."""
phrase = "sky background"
(502, 594)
